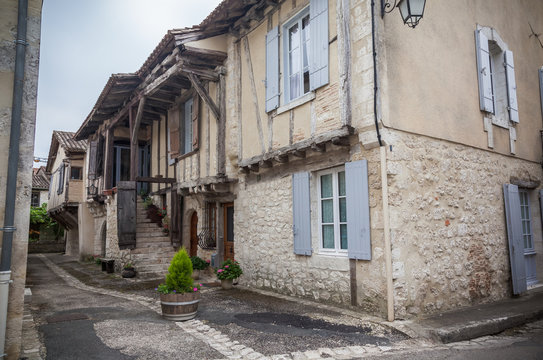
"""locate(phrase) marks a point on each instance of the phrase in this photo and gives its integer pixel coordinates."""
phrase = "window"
(35, 199)
(332, 211)
(76, 173)
(304, 53)
(496, 73)
(525, 217)
(297, 43)
(121, 163)
(183, 129)
(341, 222)
(60, 183)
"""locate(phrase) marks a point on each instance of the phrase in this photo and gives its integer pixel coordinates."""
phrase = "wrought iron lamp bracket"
(387, 6)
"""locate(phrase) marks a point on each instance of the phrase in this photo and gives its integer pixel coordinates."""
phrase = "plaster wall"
(8, 30)
(56, 199)
(314, 113)
(438, 96)
(217, 43)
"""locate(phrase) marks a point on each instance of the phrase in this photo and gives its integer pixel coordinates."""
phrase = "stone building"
(333, 154)
(19, 61)
(65, 167)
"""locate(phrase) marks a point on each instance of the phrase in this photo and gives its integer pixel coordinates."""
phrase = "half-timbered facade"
(65, 168)
(158, 133)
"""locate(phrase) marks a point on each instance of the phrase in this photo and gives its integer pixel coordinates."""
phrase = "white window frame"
(296, 19)
(335, 196)
(526, 220)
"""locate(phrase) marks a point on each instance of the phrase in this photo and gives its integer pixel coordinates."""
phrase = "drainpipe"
(13, 164)
(384, 183)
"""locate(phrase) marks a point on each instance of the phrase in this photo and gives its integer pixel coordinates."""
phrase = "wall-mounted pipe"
(13, 164)
(375, 77)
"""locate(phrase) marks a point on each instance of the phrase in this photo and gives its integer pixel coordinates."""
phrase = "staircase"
(153, 252)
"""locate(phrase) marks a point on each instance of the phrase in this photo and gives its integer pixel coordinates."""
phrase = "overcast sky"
(83, 42)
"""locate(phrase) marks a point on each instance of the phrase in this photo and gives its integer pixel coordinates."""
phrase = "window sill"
(339, 254)
(297, 102)
(181, 157)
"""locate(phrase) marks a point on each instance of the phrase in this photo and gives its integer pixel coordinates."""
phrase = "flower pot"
(128, 272)
(179, 307)
(226, 284)
(195, 274)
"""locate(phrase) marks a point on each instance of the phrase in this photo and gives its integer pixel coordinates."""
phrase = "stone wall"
(264, 247)
(448, 230)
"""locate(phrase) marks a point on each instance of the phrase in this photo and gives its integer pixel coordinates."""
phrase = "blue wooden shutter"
(486, 95)
(514, 235)
(358, 210)
(318, 53)
(511, 86)
(301, 209)
(272, 69)
(541, 205)
(541, 91)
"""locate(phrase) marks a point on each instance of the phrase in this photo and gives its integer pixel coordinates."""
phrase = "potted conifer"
(179, 297)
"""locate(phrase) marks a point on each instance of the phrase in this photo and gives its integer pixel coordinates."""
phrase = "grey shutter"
(272, 69)
(92, 159)
(511, 86)
(60, 188)
(126, 214)
(301, 209)
(486, 95)
(318, 52)
(358, 210)
(514, 235)
(541, 91)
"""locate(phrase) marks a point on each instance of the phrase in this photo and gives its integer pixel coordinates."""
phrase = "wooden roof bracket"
(204, 95)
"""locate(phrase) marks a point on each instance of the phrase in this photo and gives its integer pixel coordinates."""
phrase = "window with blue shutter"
(358, 210)
(301, 209)
(511, 86)
(60, 188)
(272, 69)
(305, 51)
(514, 235)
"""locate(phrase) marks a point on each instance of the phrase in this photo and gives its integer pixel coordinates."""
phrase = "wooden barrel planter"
(179, 307)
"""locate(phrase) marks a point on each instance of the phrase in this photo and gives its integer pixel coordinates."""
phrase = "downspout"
(13, 163)
(384, 182)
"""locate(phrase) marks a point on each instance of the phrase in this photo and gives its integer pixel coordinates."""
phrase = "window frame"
(337, 250)
(33, 195)
(80, 173)
(186, 121)
(524, 199)
(296, 19)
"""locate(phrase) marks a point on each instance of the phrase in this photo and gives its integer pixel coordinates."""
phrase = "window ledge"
(339, 254)
(180, 157)
(297, 102)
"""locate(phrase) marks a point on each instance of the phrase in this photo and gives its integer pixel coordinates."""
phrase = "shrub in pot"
(128, 270)
(179, 297)
(198, 264)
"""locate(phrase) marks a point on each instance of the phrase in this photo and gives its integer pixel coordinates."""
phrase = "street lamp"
(410, 10)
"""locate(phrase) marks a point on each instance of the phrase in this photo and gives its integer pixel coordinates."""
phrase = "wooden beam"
(204, 95)
(137, 123)
(298, 153)
(108, 160)
(265, 164)
(158, 180)
(254, 168)
(221, 133)
(133, 145)
(161, 80)
(319, 147)
(282, 159)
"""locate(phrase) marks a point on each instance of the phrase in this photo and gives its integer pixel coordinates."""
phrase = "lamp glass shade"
(412, 11)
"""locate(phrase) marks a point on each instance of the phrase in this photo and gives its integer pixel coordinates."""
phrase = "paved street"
(118, 319)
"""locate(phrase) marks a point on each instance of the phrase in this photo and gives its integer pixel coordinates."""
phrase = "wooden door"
(194, 234)
(229, 231)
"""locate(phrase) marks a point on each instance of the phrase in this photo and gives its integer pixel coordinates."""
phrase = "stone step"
(153, 250)
(148, 229)
(165, 243)
(151, 234)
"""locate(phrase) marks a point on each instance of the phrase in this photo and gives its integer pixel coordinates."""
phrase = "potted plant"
(198, 264)
(128, 270)
(228, 271)
(179, 297)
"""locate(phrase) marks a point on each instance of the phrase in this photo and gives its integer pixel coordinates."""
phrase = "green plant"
(198, 263)
(40, 220)
(229, 269)
(128, 265)
(148, 201)
(178, 279)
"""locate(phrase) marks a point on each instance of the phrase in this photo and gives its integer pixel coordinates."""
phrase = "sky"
(83, 42)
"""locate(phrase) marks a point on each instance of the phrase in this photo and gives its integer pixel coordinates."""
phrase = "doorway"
(229, 231)
(194, 234)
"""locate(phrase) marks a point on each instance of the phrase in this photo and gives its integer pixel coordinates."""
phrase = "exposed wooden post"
(133, 147)
(108, 161)
(221, 134)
